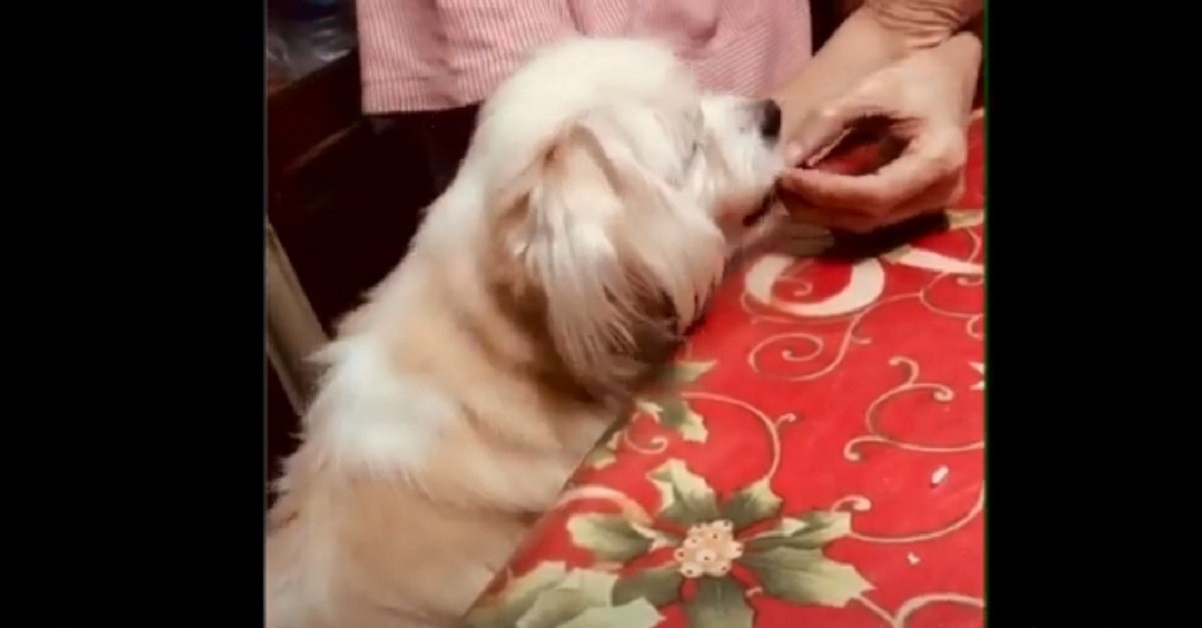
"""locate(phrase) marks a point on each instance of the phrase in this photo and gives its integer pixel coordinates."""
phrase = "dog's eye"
(694, 150)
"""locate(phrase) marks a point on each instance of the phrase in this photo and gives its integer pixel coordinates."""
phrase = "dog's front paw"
(783, 235)
(801, 240)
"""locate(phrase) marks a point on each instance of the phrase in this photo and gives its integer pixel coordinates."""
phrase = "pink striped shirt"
(441, 54)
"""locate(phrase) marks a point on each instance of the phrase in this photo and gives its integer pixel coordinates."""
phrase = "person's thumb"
(822, 128)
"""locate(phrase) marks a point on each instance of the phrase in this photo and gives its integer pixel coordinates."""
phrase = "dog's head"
(616, 192)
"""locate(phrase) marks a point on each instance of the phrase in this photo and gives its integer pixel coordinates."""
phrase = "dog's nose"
(770, 118)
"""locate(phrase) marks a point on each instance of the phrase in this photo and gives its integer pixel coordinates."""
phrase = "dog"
(599, 201)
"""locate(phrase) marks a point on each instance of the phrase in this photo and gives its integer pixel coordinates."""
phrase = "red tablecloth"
(795, 481)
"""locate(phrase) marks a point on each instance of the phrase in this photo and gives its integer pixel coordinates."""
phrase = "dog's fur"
(598, 202)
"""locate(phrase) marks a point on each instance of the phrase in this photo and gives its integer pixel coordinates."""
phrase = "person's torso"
(436, 54)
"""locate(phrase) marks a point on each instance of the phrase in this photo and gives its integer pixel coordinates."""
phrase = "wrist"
(922, 23)
(859, 47)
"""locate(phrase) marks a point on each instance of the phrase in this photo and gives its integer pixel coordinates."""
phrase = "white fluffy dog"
(598, 203)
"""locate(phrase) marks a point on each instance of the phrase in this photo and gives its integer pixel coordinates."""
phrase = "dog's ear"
(601, 246)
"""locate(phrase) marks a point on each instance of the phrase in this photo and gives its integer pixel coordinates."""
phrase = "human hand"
(924, 102)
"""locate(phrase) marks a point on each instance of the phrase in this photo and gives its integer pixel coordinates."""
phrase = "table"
(822, 466)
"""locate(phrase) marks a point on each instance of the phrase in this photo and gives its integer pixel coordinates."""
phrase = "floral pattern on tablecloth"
(822, 463)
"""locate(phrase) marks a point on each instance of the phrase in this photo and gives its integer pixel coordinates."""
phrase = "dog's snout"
(770, 118)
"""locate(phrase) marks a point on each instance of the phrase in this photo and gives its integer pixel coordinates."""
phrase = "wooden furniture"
(293, 331)
(344, 197)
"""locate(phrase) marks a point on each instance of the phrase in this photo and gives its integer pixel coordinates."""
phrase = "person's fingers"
(938, 196)
(920, 166)
(803, 213)
(823, 128)
(935, 198)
